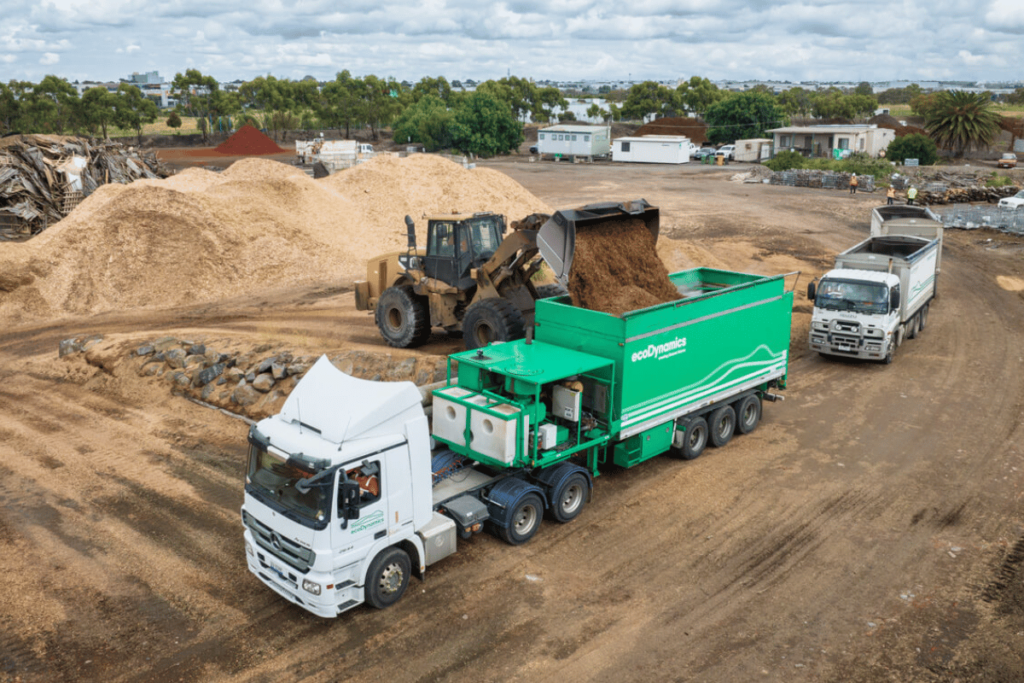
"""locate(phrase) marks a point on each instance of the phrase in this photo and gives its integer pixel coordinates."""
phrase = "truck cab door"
(360, 533)
(439, 263)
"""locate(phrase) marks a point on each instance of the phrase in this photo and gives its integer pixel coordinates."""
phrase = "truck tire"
(551, 291)
(402, 317)
(695, 439)
(889, 354)
(492, 320)
(721, 425)
(913, 326)
(923, 319)
(524, 520)
(748, 413)
(388, 577)
(569, 498)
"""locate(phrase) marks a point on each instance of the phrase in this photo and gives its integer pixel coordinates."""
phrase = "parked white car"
(1014, 202)
(729, 151)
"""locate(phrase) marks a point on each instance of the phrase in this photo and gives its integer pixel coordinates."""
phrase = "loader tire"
(492, 320)
(551, 291)
(402, 317)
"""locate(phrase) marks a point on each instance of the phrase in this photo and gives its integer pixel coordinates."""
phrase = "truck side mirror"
(348, 501)
(894, 299)
(811, 290)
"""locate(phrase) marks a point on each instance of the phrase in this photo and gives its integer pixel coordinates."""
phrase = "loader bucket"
(557, 237)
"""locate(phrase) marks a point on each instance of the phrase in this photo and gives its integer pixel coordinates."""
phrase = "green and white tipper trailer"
(350, 490)
(880, 291)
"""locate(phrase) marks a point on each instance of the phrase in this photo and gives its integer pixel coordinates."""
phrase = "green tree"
(98, 109)
(835, 104)
(594, 111)
(378, 102)
(428, 122)
(900, 95)
(174, 121)
(1016, 97)
(339, 103)
(438, 87)
(962, 119)
(14, 96)
(864, 88)
(544, 102)
(915, 146)
(195, 94)
(795, 101)
(923, 104)
(133, 110)
(698, 94)
(523, 96)
(649, 98)
(271, 96)
(484, 125)
(54, 105)
(743, 115)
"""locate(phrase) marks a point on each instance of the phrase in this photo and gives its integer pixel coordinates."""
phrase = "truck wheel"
(492, 320)
(388, 577)
(923, 319)
(551, 291)
(525, 520)
(888, 354)
(402, 317)
(721, 425)
(912, 327)
(695, 439)
(748, 413)
(569, 499)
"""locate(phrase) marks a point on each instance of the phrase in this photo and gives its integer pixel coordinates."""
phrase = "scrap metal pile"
(44, 177)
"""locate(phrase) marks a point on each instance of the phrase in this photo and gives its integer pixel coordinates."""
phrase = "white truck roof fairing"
(862, 276)
(343, 408)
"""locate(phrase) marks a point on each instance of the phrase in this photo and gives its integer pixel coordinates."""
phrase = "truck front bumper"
(334, 598)
(848, 346)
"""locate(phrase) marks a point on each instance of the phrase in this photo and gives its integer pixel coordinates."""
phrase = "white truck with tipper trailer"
(880, 291)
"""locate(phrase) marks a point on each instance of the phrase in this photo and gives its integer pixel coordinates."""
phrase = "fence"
(970, 217)
(828, 180)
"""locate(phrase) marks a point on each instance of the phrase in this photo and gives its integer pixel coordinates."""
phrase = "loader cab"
(457, 244)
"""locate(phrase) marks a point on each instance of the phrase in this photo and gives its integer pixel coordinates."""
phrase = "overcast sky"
(824, 40)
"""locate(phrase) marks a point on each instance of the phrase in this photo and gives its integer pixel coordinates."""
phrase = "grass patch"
(996, 180)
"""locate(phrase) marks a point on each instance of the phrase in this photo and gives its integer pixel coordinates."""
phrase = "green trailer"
(598, 387)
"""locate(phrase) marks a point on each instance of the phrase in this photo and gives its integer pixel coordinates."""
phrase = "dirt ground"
(871, 529)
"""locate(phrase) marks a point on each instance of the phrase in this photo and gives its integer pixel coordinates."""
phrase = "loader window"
(485, 238)
(442, 240)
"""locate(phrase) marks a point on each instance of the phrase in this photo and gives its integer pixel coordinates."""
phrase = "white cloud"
(8, 59)
(49, 58)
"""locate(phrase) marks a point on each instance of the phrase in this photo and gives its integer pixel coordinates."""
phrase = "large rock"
(279, 371)
(263, 382)
(175, 358)
(207, 375)
(164, 343)
(244, 394)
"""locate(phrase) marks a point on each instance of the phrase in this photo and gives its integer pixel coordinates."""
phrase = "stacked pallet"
(44, 177)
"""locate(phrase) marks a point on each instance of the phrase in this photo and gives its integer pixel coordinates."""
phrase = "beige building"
(822, 141)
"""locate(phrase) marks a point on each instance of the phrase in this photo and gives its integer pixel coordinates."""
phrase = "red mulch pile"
(696, 130)
(891, 122)
(247, 140)
(616, 269)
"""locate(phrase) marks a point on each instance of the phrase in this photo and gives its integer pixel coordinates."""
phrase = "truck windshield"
(848, 295)
(272, 478)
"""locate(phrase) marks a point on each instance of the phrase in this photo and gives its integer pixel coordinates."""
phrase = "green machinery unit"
(599, 387)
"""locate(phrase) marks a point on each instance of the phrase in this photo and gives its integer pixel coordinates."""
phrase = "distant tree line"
(442, 115)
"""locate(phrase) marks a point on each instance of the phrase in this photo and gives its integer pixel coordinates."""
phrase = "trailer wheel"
(492, 320)
(923, 319)
(569, 499)
(695, 439)
(524, 521)
(388, 577)
(402, 317)
(748, 413)
(722, 424)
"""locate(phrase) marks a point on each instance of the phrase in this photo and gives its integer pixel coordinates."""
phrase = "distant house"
(822, 141)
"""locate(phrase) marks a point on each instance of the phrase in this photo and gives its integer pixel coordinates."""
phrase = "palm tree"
(960, 119)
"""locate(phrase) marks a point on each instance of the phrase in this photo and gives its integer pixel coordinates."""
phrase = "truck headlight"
(248, 548)
(311, 587)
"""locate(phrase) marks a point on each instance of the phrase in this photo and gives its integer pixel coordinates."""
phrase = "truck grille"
(847, 326)
(287, 551)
